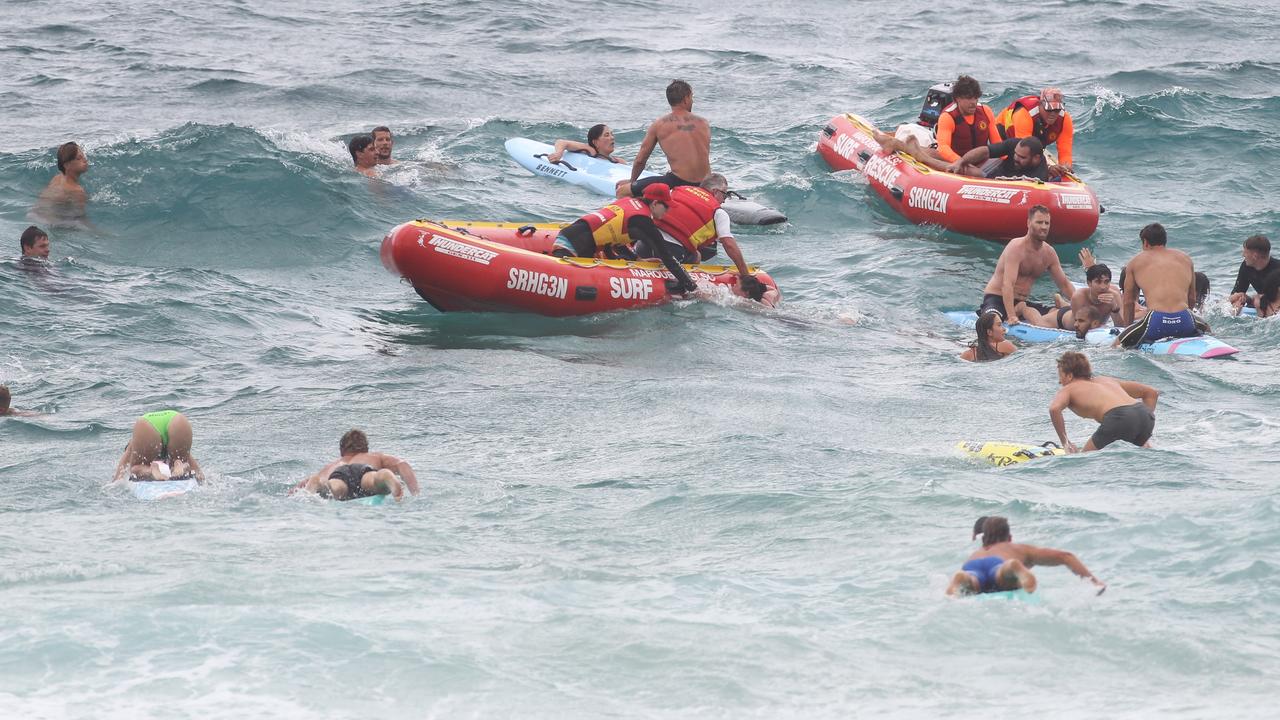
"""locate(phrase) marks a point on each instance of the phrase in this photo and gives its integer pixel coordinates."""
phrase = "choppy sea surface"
(691, 511)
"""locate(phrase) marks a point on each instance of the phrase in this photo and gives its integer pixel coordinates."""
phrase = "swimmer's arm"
(1048, 557)
(1147, 394)
(946, 129)
(567, 145)
(405, 470)
(322, 474)
(195, 468)
(122, 465)
(976, 156)
(1129, 293)
(1191, 288)
(646, 149)
(1006, 348)
(735, 254)
(1006, 290)
(1060, 403)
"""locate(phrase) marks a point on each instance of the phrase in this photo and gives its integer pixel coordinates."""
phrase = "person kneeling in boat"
(159, 449)
(1125, 410)
(1042, 117)
(693, 226)
(991, 343)
(599, 144)
(1167, 280)
(1003, 565)
(614, 227)
(1023, 157)
(359, 473)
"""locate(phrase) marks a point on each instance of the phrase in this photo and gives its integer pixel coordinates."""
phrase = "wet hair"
(1154, 235)
(977, 526)
(358, 143)
(1097, 270)
(1202, 288)
(983, 350)
(715, 181)
(1258, 244)
(66, 153)
(677, 91)
(753, 287)
(31, 236)
(5, 398)
(1038, 209)
(380, 128)
(594, 134)
(1076, 365)
(1033, 144)
(353, 442)
(966, 87)
(995, 530)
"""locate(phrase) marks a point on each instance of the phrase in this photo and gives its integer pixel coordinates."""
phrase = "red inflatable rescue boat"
(989, 209)
(457, 270)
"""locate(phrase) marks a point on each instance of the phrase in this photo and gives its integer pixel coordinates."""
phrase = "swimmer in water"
(599, 144)
(1003, 565)
(991, 343)
(34, 243)
(359, 473)
(159, 449)
(1125, 410)
(5, 408)
(364, 155)
(382, 144)
(64, 198)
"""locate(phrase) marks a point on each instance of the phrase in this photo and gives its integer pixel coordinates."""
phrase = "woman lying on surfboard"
(599, 144)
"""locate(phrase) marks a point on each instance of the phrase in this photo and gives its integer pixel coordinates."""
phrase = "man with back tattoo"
(685, 139)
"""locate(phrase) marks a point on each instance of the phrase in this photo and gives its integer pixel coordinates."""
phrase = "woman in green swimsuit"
(160, 449)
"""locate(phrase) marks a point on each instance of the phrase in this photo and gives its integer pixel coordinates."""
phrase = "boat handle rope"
(557, 162)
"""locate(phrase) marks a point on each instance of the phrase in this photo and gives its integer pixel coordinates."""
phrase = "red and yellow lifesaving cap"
(658, 192)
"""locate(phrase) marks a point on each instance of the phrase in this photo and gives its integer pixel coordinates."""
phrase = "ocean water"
(690, 511)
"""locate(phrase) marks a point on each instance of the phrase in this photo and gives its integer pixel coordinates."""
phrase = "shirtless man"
(364, 155)
(685, 139)
(64, 198)
(1125, 410)
(1098, 295)
(34, 243)
(5, 400)
(159, 449)
(1003, 565)
(1024, 260)
(382, 144)
(360, 473)
(1166, 278)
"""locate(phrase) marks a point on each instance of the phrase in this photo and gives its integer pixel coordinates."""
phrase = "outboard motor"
(938, 97)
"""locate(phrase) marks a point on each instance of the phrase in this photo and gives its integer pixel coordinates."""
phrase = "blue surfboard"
(602, 177)
(1203, 346)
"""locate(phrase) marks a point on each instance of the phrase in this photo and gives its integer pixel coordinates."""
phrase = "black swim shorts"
(1131, 423)
(671, 179)
(993, 301)
(351, 474)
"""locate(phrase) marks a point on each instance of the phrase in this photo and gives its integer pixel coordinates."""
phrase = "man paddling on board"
(1125, 410)
(1167, 280)
(159, 449)
(1023, 261)
(359, 473)
(1003, 565)
(685, 139)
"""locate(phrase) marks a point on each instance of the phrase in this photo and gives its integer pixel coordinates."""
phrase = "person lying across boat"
(1099, 297)
(614, 227)
(1043, 117)
(1021, 263)
(685, 139)
(1125, 410)
(1022, 157)
(599, 144)
(991, 343)
(1257, 264)
(159, 449)
(1003, 565)
(359, 473)
(1166, 278)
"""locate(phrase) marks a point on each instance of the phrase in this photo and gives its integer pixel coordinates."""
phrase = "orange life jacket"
(610, 225)
(691, 218)
(962, 142)
(1031, 103)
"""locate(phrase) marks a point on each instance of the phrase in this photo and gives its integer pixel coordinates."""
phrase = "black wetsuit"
(1009, 168)
(1248, 277)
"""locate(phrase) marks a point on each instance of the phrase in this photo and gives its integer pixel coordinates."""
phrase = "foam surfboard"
(1002, 454)
(160, 489)
(1204, 346)
(601, 177)
(374, 500)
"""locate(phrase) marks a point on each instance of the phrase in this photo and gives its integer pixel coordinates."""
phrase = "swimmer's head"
(1073, 366)
(658, 196)
(716, 183)
(1202, 288)
(382, 141)
(34, 242)
(678, 92)
(359, 144)
(977, 527)
(600, 138)
(966, 91)
(752, 287)
(5, 399)
(987, 322)
(1028, 153)
(1038, 222)
(1257, 251)
(1154, 235)
(1083, 320)
(995, 529)
(70, 155)
(353, 442)
(1098, 274)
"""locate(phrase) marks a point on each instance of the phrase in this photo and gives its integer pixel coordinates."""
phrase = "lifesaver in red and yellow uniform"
(691, 216)
(1047, 134)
